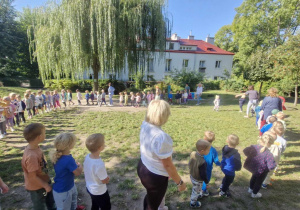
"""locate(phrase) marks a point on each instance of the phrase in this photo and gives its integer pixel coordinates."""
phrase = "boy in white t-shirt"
(95, 173)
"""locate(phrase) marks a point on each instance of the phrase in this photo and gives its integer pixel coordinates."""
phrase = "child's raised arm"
(78, 170)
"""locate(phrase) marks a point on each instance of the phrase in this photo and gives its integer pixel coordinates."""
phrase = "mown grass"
(186, 125)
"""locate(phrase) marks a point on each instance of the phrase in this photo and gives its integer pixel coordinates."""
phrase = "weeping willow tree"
(72, 36)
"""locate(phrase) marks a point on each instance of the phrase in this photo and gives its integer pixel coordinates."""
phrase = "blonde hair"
(202, 145)
(62, 142)
(158, 112)
(26, 95)
(280, 115)
(209, 136)
(273, 92)
(278, 128)
(94, 142)
(233, 140)
(272, 119)
(217, 96)
(27, 91)
(266, 140)
(12, 94)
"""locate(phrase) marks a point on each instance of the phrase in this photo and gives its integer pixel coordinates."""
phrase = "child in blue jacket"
(87, 97)
(211, 158)
(231, 162)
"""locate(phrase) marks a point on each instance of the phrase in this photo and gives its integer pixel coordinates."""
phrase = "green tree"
(183, 76)
(224, 39)
(70, 37)
(286, 62)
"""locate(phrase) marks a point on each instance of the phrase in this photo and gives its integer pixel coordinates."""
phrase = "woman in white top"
(199, 93)
(156, 164)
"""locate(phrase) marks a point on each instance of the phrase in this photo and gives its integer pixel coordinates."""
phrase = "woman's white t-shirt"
(94, 172)
(155, 145)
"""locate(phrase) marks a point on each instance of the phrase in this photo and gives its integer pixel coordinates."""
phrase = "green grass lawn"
(186, 125)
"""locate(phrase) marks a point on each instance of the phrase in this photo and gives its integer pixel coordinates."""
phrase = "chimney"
(210, 40)
(191, 37)
(175, 37)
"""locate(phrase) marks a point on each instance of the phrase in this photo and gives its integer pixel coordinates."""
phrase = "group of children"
(181, 97)
(261, 160)
(12, 107)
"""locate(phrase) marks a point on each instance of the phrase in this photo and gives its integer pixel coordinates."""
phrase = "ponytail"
(266, 140)
(55, 155)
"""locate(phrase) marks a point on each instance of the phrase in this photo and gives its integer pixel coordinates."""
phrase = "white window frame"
(218, 64)
(151, 65)
(171, 44)
(185, 63)
(168, 65)
(201, 64)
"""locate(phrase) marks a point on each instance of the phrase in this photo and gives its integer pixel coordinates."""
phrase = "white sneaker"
(257, 195)
(250, 190)
(1, 136)
(12, 130)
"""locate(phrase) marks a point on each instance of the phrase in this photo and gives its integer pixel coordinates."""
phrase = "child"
(148, 97)
(14, 101)
(2, 120)
(231, 162)
(47, 101)
(95, 173)
(258, 114)
(32, 97)
(9, 113)
(178, 97)
(70, 97)
(102, 97)
(96, 96)
(126, 98)
(259, 162)
(138, 100)
(92, 97)
(40, 101)
(56, 99)
(34, 164)
(278, 129)
(197, 167)
(170, 97)
(162, 95)
(79, 97)
(217, 103)
(21, 109)
(152, 96)
(52, 102)
(268, 126)
(241, 100)
(210, 159)
(87, 97)
(157, 95)
(121, 98)
(280, 118)
(181, 96)
(185, 96)
(64, 189)
(29, 105)
(63, 97)
(143, 99)
(132, 97)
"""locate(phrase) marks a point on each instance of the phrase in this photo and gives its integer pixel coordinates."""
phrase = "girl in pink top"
(138, 100)
(148, 97)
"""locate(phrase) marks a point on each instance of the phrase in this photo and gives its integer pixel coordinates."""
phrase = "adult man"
(111, 91)
(187, 88)
(199, 93)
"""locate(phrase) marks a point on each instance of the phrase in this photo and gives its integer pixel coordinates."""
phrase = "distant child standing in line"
(102, 95)
(152, 95)
(21, 109)
(79, 97)
(126, 98)
(217, 103)
(95, 173)
(197, 168)
(87, 97)
(178, 97)
(132, 97)
(2, 121)
(144, 99)
(121, 98)
(231, 162)
(70, 97)
(48, 100)
(9, 113)
(170, 97)
(148, 97)
(138, 100)
(92, 97)
(66, 168)
(63, 97)
(56, 99)
(259, 162)
(29, 105)
(185, 96)
(162, 95)
(157, 95)
(241, 100)
(34, 165)
(210, 159)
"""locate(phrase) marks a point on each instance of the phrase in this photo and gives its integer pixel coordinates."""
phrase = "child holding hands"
(231, 162)
(66, 168)
(34, 164)
(210, 159)
(259, 162)
(197, 167)
(96, 176)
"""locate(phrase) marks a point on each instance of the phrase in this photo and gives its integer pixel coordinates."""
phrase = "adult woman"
(253, 99)
(156, 164)
(270, 102)
(199, 93)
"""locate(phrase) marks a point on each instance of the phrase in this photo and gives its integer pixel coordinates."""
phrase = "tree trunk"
(96, 69)
(260, 87)
(296, 94)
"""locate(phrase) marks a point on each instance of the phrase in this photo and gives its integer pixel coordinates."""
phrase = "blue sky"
(203, 17)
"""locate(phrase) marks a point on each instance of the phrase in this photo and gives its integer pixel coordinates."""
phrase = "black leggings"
(100, 201)
(21, 116)
(227, 181)
(156, 186)
(257, 180)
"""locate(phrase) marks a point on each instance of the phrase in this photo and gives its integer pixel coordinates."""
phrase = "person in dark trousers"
(231, 162)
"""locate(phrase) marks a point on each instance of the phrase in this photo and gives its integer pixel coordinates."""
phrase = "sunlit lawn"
(186, 125)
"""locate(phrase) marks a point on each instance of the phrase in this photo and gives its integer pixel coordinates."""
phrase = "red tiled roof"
(202, 47)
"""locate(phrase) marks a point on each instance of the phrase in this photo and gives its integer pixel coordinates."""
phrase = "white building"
(190, 54)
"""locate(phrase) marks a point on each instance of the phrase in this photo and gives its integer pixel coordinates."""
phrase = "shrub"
(212, 84)
(1, 84)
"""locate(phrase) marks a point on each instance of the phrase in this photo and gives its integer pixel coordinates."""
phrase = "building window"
(185, 63)
(215, 78)
(201, 64)
(131, 77)
(171, 46)
(218, 64)
(168, 64)
(150, 65)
